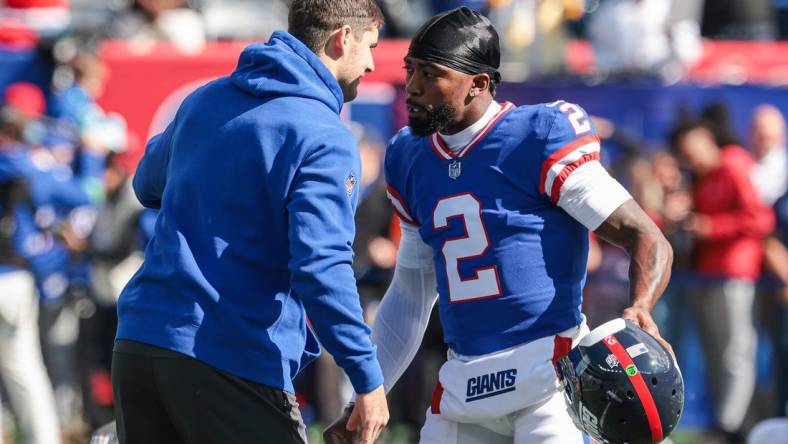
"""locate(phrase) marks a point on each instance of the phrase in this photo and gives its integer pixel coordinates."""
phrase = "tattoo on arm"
(650, 253)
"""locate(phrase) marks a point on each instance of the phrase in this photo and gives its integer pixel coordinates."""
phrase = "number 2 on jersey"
(474, 244)
(576, 116)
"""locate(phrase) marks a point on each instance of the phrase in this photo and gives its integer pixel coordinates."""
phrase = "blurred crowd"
(70, 235)
(72, 232)
(651, 38)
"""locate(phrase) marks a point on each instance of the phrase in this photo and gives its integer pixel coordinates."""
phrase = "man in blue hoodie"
(256, 183)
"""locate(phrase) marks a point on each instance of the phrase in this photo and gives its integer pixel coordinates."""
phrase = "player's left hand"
(642, 317)
(337, 432)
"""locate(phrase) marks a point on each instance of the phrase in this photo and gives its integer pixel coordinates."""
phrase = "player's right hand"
(642, 317)
(370, 414)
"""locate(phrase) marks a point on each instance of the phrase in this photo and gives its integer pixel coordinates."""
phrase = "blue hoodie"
(256, 182)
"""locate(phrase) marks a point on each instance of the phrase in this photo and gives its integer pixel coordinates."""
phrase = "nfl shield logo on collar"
(455, 169)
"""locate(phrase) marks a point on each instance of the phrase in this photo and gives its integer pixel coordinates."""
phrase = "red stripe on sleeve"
(403, 218)
(560, 154)
(644, 394)
(407, 217)
(558, 183)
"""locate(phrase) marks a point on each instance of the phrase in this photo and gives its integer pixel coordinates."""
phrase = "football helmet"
(622, 386)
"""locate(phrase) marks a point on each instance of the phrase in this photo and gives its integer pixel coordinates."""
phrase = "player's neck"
(475, 111)
(459, 140)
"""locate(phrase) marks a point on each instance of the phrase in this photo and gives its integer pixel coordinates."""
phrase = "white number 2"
(577, 118)
(474, 244)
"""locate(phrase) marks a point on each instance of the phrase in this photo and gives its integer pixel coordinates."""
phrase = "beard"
(434, 121)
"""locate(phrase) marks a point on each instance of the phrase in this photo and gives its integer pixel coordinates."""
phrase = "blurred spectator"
(148, 21)
(770, 174)
(376, 254)
(637, 37)
(666, 197)
(64, 181)
(777, 254)
(21, 363)
(770, 177)
(739, 20)
(91, 19)
(445, 5)
(114, 251)
(403, 17)
(717, 117)
(49, 18)
(116, 236)
(672, 209)
(781, 7)
(729, 223)
(533, 35)
(76, 105)
(244, 19)
(26, 98)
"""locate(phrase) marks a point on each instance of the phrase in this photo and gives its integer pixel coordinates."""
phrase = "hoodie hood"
(286, 67)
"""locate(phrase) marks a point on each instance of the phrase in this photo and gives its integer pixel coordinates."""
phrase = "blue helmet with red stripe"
(622, 386)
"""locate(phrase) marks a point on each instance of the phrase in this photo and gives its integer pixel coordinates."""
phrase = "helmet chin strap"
(603, 331)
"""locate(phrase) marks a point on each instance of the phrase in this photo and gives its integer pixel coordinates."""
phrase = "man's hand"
(699, 225)
(370, 414)
(642, 318)
(337, 432)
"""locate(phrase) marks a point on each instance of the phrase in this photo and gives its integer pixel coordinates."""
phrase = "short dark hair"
(686, 126)
(313, 21)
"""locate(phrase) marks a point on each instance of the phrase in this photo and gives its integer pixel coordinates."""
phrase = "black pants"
(166, 397)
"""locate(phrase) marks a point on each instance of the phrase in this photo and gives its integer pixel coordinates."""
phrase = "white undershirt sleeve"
(405, 309)
(590, 195)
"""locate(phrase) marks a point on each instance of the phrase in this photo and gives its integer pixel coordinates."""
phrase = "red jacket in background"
(739, 220)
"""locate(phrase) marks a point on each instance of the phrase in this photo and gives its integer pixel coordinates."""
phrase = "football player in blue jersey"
(496, 202)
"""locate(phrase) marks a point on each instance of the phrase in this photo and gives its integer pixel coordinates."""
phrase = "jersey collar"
(443, 151)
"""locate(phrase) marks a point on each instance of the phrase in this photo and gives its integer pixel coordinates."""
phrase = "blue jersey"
(510, 263)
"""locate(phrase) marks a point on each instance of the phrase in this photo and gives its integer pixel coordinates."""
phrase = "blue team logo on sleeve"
(350, 183)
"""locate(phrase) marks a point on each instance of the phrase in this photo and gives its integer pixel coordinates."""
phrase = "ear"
(480, 83)
(338, 42)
